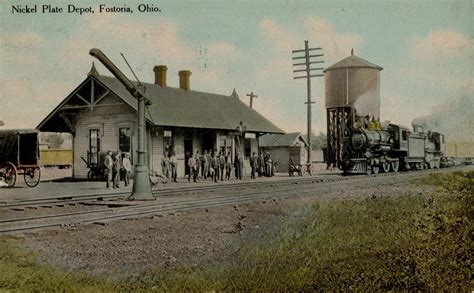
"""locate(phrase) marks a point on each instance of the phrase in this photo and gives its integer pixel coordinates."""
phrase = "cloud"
(442, 58)
(22, 40)
(434, 67)
(23, 91)
(440, 43)
(319, 33)
(145, 43)
(274, 73)
(335, 45)
(19, 50)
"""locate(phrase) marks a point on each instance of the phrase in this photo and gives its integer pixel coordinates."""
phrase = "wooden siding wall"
(156, 150)
(108, 119)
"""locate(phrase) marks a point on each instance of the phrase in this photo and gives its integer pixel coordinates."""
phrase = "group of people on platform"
(211, 165)
(216, 166)
(118, 168)
(169, 166)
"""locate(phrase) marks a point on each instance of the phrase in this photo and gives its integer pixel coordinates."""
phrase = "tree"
(318, 141)
(55, 140)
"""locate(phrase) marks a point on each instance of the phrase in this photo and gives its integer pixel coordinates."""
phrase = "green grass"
(380, 243)
(20, 271)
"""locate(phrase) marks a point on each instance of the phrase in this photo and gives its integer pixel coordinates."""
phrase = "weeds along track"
(305, 186)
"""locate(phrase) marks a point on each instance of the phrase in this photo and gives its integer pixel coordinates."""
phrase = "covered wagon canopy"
(19, 146)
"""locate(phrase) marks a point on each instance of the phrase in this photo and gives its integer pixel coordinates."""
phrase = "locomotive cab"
(400, 137)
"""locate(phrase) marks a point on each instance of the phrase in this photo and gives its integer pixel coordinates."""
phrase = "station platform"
(57, 183)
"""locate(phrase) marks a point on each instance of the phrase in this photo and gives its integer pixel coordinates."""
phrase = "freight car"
(60, 158)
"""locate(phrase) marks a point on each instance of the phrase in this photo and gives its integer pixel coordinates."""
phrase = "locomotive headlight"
(358, 140)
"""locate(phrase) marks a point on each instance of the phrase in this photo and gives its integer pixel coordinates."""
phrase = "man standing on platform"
(165, 165)
(215, 166)
(253, 165)
(204, 164)
(192, 168)
(228, 165)
(109, 164)
(174, 166)
(268, 164)
(126, 167)
(117, 166)
(197, 157)
(238, 164)
(221, 165)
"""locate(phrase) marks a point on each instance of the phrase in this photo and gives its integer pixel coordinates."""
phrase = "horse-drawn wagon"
(19, 155)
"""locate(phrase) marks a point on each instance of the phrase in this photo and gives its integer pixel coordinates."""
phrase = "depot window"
(168, 143)
(125, 139)
(94, 146)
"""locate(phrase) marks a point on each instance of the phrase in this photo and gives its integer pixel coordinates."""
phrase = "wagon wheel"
(303, 170)
(10, 174)
(386, 166)
(89, 175)
(395, 165)
(32, 176)
(311, 169)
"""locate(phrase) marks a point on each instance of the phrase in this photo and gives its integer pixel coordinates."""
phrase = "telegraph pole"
(252, 96)
(308, 70)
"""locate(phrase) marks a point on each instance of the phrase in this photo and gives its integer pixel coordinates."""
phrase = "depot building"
(101, 115)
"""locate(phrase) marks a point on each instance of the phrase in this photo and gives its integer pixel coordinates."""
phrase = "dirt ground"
(128, 248)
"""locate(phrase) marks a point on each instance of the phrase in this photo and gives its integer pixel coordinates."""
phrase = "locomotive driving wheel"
(375, 169)
(395, 165)
(386, 166)
(32, 176)
(10, 174)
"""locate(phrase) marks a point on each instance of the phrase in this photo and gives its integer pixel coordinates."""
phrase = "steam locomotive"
(356, 141)
(372, 147)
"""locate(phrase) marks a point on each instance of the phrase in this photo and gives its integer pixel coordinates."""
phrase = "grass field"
(385, 243)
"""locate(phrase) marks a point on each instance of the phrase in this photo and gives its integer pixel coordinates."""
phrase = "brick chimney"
(160, 75)
(184, 82)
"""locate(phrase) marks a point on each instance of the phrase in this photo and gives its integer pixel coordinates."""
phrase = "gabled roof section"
(179, 108)
(353, 61)
(280, 140)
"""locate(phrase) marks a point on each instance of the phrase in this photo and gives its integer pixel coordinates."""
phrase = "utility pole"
(252, 96)
(308, 70)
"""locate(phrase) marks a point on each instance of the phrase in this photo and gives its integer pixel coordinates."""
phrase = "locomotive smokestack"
(184, 82)
(160, 75)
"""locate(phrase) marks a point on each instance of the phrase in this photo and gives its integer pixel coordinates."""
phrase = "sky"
(425, 48)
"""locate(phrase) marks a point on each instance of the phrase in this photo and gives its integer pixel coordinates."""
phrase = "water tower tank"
(354, 82)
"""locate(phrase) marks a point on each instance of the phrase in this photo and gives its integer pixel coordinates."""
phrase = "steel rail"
(199, 202)
(38, 202)
(143, 210)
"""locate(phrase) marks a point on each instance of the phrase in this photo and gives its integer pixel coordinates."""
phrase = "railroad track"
(71, 199)
(103, 216)
(48, 202)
